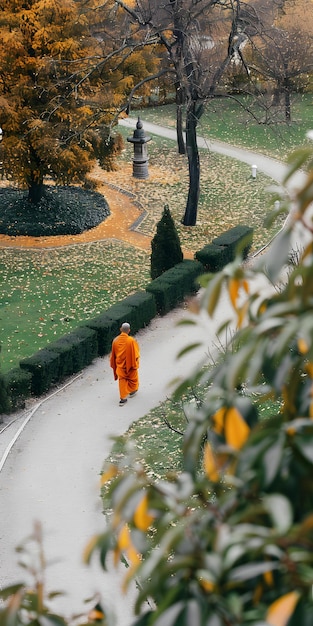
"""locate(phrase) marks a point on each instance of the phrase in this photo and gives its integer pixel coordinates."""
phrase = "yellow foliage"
(125, 546)
(228, 421)
(143, 519)
(111, 472)
(257, 594)
(209, 462)
(130, 3)
(65, 49)
(268, 577)
(234, 287)
(207, 585)
(89, 548)
(302, 346)
(242, 313)
(236, 429)
(124, 538)
(218, 420)
(281, 610)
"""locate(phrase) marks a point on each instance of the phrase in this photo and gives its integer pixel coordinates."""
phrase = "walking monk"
(124, 361)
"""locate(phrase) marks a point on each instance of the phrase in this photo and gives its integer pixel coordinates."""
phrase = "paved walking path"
(271, 167)
(51, 472)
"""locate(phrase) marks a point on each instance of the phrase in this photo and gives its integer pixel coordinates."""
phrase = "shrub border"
(76, 350)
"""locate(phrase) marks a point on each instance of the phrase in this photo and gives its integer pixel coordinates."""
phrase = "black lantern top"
(139, 135)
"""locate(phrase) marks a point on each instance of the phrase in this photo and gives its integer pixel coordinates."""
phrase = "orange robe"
(124, 361)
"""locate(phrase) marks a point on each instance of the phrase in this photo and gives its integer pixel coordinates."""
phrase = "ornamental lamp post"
(140, 158)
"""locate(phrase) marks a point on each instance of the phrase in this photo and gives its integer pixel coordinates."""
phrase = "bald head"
(125, 328)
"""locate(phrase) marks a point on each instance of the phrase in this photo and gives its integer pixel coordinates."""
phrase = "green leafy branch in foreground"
(228, 540)
(30, 604)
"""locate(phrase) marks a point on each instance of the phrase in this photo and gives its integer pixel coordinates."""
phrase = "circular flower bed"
(61, 211)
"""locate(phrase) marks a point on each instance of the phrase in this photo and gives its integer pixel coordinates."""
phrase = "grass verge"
(227, 119)
(158, 447)
(46, 293)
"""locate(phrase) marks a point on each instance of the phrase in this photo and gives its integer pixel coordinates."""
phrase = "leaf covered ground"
(46, 293)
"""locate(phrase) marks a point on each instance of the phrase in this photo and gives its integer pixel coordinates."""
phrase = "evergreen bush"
(76, 350)
(107, 325)
(18, 387)
(44, 367)
(145, 306)
(165, 293)
(4, 402)
(62, 211)
(236, 239)
(212, 257)
(165, 245)
(170, 288)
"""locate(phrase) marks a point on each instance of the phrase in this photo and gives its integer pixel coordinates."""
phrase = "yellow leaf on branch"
(219, 420)
(124, 540)
(111, 472)
(281, 610)
(302, 346)
(209, 462)
(236, 429)
(234, 285)
(142, 518)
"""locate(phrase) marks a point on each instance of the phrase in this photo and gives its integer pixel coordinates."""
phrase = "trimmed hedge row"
(223, 249)
(138, 309)
(172, 286)
(77, 349)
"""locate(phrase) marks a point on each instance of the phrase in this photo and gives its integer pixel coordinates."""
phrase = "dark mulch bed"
(62, 211)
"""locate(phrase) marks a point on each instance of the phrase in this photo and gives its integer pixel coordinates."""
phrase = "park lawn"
(228, 194)
(224, 119)
(46, 293)
(156, 445)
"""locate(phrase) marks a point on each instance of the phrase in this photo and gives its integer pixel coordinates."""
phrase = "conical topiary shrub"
(165, 245)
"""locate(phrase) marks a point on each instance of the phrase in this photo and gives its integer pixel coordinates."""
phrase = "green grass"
(159, 448)
(228, 195)
(46, 293)
(227, 120)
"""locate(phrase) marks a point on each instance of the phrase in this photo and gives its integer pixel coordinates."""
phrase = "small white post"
(276, 205)
(253, 170)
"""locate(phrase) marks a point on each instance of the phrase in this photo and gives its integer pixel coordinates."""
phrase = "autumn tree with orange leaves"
(51, 92)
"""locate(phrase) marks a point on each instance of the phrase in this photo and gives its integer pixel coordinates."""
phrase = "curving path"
(51, 472)
(273, 168)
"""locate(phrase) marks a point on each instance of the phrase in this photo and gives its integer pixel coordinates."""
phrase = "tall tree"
(48, 94)
(199, 39)
(283, 64)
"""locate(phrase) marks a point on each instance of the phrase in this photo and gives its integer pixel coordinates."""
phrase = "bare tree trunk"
(179, 121)
(192, 117)
(276, 97)
(287, 105)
